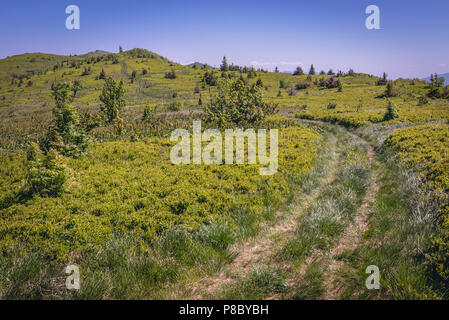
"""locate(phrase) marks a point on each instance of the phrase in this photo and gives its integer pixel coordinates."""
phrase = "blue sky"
(413, 40)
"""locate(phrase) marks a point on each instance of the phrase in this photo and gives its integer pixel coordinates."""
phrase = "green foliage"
(46, 175)
(282, 84)
(437, 91)
(424, 149)
(238, 104)
(113, 99)
(392, 112)
(171, 74)
(175, 105)
(65, 134)
(148, 112)
(390, 91)
(209, 78)
(224, 65)
(298, 71)
(332, 105)
(155, 196)
(312, 70)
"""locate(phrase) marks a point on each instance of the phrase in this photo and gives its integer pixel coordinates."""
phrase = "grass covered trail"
(358, 207)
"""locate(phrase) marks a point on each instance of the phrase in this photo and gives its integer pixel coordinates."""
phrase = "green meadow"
(363, 180)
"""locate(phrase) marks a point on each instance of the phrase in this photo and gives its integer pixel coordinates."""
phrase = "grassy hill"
(370, 191)
(26, 102)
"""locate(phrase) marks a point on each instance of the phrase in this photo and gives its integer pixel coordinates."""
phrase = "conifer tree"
(312, 70)
(224, 65)
(298, 71)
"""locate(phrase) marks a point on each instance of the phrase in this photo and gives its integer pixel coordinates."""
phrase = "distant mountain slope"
(28, 63)
(100, 52)
(198, 64)
(444, 75)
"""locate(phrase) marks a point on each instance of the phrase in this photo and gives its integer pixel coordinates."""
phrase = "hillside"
(26, 102)
(362, 180)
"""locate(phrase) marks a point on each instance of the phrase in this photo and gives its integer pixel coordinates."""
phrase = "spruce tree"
(113, 99)
(224, 65)
(65, 133)
(392, 112)
(312, 70)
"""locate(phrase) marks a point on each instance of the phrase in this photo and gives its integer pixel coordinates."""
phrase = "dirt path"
(350, 239)
(264, 248)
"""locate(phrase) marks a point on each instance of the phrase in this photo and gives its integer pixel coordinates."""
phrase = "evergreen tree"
(282, 84)
(312, 70)
(102, 74)
(390, 90)
(197, 88)
(276, 69)
(224, 65)
(392, 112)
(120, 49)
(76, 86)
(340, 86)
(65, 133)
(298, 71)
(113, 99)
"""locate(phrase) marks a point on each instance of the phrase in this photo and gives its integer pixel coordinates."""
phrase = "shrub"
(292, 92)
(282, 84)
(238, 104)
(312, 70)
(390, 91)
(65, 133)
(102, 74)
(197, 88)
(224, 65)
(209, 78)
(113, 99)
(383, 80)
(332, 105)
(171, 74)
(302, 85)
(392, 112)
(76, 86)
(422, 101)
(298, 71)
(175, 106)
(148, 112)
(46, 175)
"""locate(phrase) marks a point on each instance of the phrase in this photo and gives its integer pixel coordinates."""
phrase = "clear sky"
(413, 40)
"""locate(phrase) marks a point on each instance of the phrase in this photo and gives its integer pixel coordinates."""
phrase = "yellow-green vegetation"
(101, 191)
(132, 187)
(26, 109)
(425, 149)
